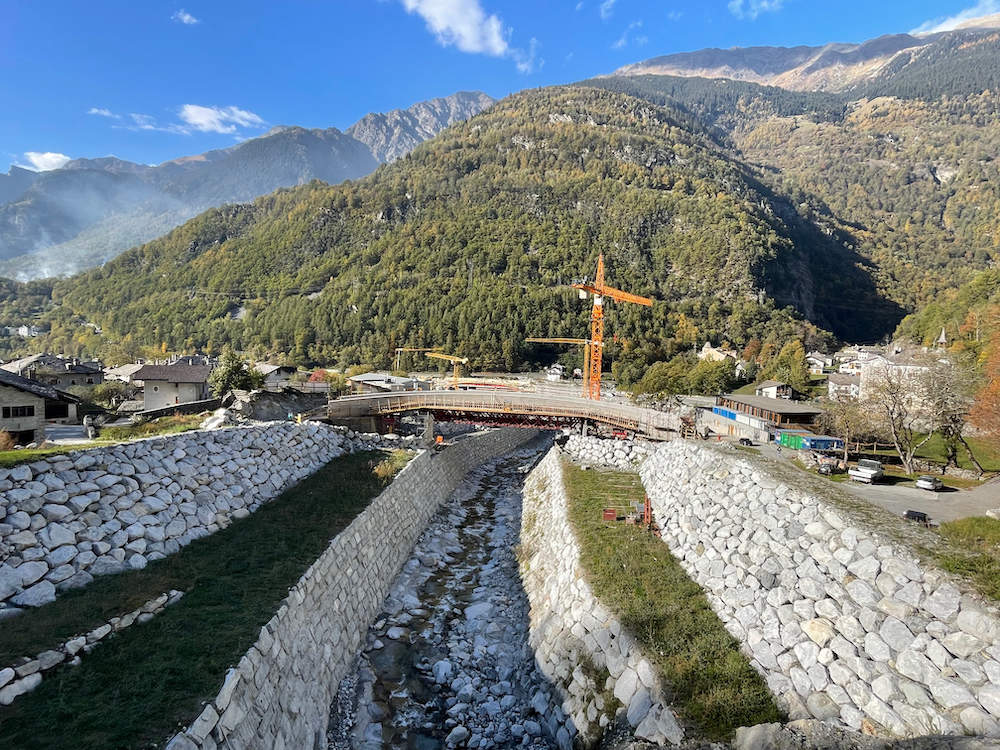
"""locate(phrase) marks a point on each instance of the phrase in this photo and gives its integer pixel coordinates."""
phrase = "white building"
(840, 387)
(165, 385)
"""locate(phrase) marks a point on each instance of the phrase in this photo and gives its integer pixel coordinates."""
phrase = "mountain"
(471, 240)
(903, 168)
(393, 134)
(884, 65)
(66, 220)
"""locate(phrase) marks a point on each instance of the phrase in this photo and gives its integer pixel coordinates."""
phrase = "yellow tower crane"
(600, 290)
(456, 361)
(401, 349)
(585, 343)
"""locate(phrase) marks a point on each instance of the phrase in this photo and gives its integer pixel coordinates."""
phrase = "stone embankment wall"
(68, 518)
(845, 625)
(625, 455)
(280, 693)
(579, 645)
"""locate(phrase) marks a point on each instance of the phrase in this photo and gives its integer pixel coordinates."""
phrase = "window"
(15, 412)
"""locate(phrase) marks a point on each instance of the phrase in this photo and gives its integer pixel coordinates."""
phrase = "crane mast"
(599, 290)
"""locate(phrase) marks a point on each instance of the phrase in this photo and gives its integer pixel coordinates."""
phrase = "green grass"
(986, 452)
(107, 436)
(974, 552)
(27, 455)
(162, 426)
(633, 573)
(139, 686)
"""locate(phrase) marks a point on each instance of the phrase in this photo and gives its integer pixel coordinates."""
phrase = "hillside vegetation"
(470, 243)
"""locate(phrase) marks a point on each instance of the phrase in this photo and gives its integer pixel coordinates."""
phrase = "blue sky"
(151, 80)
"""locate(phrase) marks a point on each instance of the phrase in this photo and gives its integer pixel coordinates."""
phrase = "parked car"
(927, 482)
(746, 441)
(867, 471)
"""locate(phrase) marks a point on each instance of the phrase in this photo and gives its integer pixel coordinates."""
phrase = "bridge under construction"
(499, 408)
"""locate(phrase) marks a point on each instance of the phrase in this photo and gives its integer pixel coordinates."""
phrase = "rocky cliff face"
(390, 135)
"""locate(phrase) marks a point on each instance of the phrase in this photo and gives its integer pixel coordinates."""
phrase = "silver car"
(932, 484)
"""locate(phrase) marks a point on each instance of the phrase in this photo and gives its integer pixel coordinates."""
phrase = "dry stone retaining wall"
(579, 645)
(845, 625)
(68, 518)
(625, 455)
(280, 693)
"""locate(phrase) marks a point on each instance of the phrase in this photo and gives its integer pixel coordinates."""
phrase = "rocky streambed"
(447, 663)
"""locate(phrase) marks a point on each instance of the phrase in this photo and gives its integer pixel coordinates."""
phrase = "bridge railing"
(491, 402)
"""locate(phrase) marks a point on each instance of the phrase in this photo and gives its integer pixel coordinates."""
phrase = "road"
(947, 505)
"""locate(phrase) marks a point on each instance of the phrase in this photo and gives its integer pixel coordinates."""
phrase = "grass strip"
(973, 552)
(107, 436)
(138, 687)
(633, 574)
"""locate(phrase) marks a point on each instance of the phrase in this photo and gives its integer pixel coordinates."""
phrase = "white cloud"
(143, 122)
(462, 23)
(623, 40)
(218, 119)
(753, 8)
(982, 8)
(103, 112)
(43, 161)
(675, 15)
(528, 61)
(607, 8)
(182, 16)
(579, 6)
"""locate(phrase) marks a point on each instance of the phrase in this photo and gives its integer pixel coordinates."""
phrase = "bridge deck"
(497, 406)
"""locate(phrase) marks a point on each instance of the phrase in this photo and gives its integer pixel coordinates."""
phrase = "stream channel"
(447, 663)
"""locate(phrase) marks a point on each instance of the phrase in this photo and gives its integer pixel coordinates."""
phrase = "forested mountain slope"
(70, 219)
(470, 241)
(911, 184)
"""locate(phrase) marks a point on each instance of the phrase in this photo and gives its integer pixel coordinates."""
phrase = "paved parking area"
(947, 505)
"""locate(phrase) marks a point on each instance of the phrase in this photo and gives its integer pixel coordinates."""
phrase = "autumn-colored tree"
(985, 413)
(789, 366)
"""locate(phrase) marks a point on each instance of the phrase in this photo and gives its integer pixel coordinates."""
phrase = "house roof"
(266, 369)
(124, 370)
(777, 405)
(770, 384)
(34, 387)
(174, 373)
(52, 362)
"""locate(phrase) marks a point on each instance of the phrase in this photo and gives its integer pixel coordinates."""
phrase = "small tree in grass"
(233, 373)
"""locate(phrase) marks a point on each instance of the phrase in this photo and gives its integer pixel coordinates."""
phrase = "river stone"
(39, 594)
(639, 706)
(626, 685)
(819, 629)
(456, 735)
(822, 706)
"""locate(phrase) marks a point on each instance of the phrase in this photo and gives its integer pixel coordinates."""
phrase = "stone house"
(775, 389)
(275, 376)
(840, 386)
(56, 371)
(26, 405)
(165, 385)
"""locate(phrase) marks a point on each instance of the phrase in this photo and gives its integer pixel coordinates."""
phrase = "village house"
(165, 385)
(59, 372)
(124, 373)
(26, 405)
(817, 362)
(842, 387)
(775, 389)
(714, 354)
(894, 367)
(275, 376)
